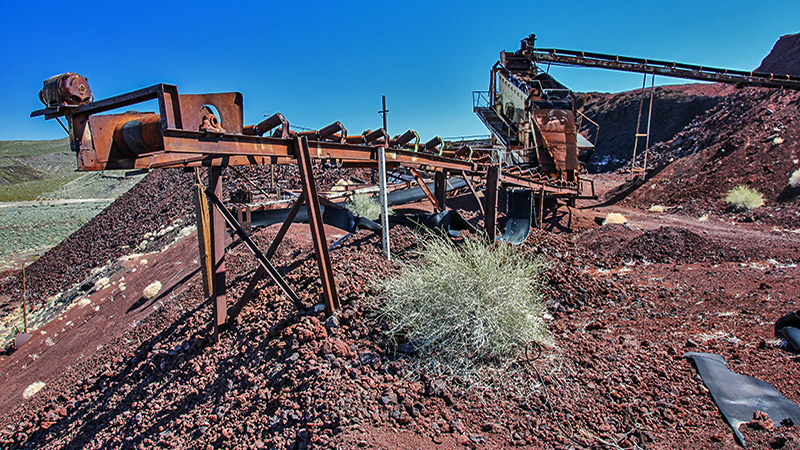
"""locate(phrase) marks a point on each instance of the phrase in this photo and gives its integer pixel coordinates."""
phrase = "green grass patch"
(466, 307)
(27, 148)
(743, 198)
(19, 173)
(33, 190)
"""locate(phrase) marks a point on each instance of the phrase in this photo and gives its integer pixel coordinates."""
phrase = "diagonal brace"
(260, 272)
(253, 248)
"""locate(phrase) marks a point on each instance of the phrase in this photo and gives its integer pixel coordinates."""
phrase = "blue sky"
(318, 62)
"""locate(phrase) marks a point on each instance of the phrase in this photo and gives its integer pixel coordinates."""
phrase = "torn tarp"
(739, 396)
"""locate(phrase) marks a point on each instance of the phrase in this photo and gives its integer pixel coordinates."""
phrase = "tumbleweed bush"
(743, 198)
(794, 179)
(467, 306)
(365, 206)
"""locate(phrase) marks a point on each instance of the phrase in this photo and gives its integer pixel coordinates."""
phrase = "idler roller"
(268, 124)
(375, 135)
(67, 89)
(138, 136)
(433, 143)
(406, 137)
(332, 129)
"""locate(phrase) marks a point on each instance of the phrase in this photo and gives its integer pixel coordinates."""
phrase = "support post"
(218, 296)
(492, 189)
(329, 293)
(384, 200)
(440, 187)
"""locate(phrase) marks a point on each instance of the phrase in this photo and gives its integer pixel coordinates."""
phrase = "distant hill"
(784, 57)
(43, 199)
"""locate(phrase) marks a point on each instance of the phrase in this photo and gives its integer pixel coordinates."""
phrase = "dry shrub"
(365, 206)
(743, 198)
(152, 289)
(32, 389)
(465, 307)
(658, 209)
(794, 179)
(615, 218)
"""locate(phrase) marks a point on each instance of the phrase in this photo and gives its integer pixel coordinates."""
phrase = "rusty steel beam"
(302, 153)
(664, 68)
(424, 187)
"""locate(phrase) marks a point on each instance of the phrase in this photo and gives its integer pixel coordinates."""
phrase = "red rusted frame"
(260, 272)
(330, 296)
(218, 296)
(492, 190)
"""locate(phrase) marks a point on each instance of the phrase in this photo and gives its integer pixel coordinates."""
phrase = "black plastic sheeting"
(739, 396)
(341, 217)
(450, 222)
(519, 215)
(788, 329)
(404, 196)
(331, 215)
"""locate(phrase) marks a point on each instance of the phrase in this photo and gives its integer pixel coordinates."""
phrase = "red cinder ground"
(149, 376)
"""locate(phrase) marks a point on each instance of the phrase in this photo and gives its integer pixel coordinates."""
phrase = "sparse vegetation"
(794, 179)
(743, 198)
(152, 290)
(465, 307)
(32, 389)
(365, 206)
(658, 209)
(615, 218)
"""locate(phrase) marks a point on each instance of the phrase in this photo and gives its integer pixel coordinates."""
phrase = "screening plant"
(466, 307)
(743, 198)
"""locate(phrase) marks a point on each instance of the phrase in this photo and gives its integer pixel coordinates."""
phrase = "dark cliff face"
(674, 107)
(784, 57)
